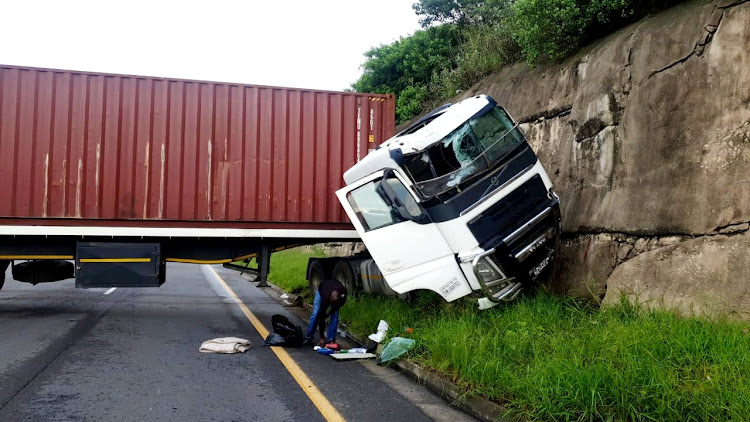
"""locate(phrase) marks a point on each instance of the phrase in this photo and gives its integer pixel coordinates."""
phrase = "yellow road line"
(115, 259)
(319, 400)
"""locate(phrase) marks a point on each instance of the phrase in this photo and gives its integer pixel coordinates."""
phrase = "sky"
(302, 44)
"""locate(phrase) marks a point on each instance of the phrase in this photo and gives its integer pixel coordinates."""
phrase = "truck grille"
(511, 212)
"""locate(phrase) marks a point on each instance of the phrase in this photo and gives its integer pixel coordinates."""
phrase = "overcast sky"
(308, 44)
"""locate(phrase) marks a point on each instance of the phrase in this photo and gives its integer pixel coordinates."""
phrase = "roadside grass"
(545, 357)
(288, 268)
(553, 358)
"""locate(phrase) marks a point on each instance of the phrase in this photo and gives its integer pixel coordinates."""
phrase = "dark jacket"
(325, 289)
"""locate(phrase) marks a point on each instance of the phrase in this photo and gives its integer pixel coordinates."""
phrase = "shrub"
(474, 38)
(556, 28)
(485, 49)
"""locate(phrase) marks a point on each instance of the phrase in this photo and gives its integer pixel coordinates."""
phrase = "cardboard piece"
(350, 356)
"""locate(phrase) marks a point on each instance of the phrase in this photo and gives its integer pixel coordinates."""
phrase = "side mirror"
(385, 189)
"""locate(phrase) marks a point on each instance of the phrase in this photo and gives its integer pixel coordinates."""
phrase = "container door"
(407, 247)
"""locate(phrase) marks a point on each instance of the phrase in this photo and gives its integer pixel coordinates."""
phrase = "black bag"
(274, 339)
(284, 328)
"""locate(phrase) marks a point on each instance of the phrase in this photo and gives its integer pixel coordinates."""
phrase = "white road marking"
(110, 291)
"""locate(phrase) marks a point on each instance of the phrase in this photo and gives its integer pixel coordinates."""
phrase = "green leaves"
(460, 12)
(407, 66)
(409, 102)
(466, 40)
(556, 28)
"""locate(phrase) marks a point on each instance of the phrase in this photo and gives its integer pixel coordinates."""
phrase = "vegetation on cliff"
(466, 40)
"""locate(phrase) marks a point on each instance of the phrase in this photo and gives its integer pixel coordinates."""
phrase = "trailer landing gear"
(264, 263)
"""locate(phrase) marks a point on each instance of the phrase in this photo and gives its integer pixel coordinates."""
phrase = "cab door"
(407, 247)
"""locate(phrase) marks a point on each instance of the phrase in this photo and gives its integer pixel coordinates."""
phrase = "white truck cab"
(457, 203)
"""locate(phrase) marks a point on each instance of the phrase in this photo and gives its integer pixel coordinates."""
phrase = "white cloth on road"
(225, 345)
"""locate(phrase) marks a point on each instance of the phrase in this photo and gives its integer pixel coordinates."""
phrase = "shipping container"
(80, 149)
(124, 173)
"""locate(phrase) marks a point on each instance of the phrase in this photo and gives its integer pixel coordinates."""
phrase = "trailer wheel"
(3, 268)
(317, 273)
(343, 273)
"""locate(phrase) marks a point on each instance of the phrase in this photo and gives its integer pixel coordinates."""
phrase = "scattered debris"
(379, 335)
(323, 350)
(352, 356)
(396, 347)
(349, 354)
(371, 346)
(225, 345)
(290, 299)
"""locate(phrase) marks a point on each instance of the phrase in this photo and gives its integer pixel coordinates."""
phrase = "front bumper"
(519, 257)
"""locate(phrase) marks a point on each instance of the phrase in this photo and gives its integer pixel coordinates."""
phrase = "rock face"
(646, 135)
(706, 275)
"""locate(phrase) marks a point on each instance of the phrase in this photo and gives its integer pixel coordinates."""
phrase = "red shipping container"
(81, 148)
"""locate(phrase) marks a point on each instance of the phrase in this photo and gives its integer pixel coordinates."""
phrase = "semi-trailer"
(123, 173)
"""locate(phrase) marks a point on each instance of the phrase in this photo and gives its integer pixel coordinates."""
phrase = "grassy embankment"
(552, 358)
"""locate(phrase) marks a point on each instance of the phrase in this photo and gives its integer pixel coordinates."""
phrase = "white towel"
(225, 345)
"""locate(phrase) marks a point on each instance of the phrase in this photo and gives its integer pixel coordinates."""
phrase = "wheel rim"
(346, 278)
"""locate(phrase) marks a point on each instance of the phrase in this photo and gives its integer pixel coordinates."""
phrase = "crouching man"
(329, 298)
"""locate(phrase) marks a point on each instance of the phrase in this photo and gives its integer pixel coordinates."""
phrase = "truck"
(109, 177)
(458, 204)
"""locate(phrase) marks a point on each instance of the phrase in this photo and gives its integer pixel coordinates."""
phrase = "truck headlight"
(486, 270)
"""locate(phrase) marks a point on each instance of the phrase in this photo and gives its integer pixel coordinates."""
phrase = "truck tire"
(344, 274)
(316, 275)
(3, 268)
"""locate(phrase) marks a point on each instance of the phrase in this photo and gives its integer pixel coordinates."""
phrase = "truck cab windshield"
(469, 151)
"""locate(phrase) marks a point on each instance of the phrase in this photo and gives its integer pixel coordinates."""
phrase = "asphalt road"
(69, 354)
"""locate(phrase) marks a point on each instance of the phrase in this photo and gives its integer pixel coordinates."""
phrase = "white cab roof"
(453, 117)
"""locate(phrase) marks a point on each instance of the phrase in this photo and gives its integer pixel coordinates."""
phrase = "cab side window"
(373, 211)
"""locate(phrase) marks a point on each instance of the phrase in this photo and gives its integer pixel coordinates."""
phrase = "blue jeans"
(333, 324)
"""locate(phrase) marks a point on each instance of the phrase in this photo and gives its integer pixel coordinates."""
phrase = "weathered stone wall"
(646, 135)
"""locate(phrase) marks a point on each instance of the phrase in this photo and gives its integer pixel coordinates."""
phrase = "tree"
(465, 40)
(408, 63)
(558, 27)
(442, 11)
(461, 12)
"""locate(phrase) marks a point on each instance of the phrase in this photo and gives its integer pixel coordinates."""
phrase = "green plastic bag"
(396, 347)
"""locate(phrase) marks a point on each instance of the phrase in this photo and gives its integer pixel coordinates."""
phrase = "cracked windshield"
(466, 152)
